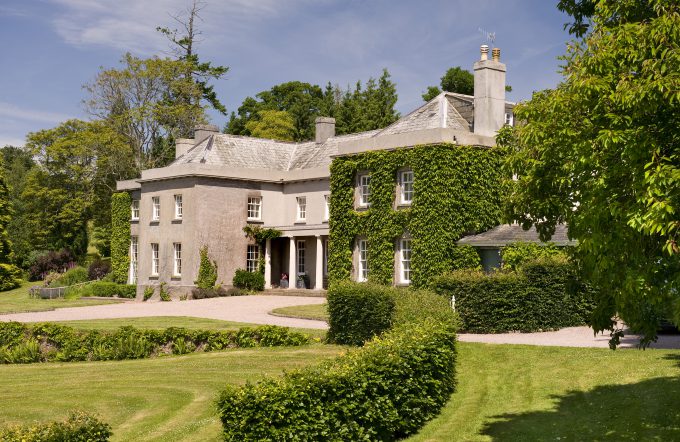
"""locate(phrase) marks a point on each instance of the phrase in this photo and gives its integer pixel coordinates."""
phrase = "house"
(219, 183)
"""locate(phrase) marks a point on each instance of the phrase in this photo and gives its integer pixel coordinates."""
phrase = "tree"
(457, 80)
(149, 102)
(601, 153)
(18, 162)
(184, 43)
(272, 124)
(5, 218)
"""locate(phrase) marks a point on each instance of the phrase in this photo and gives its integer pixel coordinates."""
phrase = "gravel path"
(568, 337)
(250, 309)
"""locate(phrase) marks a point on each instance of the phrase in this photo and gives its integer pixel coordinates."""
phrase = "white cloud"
(11, 111)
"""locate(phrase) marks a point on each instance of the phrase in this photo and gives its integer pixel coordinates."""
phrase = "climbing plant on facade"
(120, 235)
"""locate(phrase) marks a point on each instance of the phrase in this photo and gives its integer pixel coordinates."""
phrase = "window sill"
(154, 222)
(176, 278)
(176, 221)
(325, 221)
(403, 284)
(134, 221)
(403, 205)
(254, 221)
(153, 277)
(301, 221)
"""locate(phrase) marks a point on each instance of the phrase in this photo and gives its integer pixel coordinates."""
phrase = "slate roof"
(447, 110)
(505, 234)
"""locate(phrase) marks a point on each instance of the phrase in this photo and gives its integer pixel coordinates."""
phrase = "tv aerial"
(490, 36)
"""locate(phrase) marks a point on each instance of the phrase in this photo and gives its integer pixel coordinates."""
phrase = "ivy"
(457, 190)
(120, 236)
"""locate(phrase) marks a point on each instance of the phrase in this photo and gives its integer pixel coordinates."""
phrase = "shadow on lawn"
(647, 410)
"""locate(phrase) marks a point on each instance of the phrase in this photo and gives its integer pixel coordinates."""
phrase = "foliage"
(6, 254)
(78, 427)
(456, 79)
(98, 269)
(105, 289)
(76, 275)
(260, 234)
(545, 294)
(456, 190)
(200, 293)
(385, 390)
(465, 257)
(22, 343)
(17, 164)
(49, 262)
(519, 253)
(121, 213)
(358, 312)
(597, 154)
(207, 271)
(148, 293)
(581, 11)
(246, 280)
(163, 293)
(10, 277)
(272, 124)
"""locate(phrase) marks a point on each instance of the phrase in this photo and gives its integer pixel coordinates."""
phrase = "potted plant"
(283, 283)
(302, 281)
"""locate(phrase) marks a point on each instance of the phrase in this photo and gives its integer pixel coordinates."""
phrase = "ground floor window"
(155, 259)
(325, 257)
(363, 260)
(252, 257)
(134, 253)
(177, 265)
(301, 257)
(405, 260)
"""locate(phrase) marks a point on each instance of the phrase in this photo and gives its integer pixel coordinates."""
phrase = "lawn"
(311, 311)
(18, 301)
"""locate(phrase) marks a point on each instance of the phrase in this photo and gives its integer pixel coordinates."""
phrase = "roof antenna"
(490, 36)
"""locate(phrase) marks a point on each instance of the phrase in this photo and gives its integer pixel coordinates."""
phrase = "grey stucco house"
(218, 183)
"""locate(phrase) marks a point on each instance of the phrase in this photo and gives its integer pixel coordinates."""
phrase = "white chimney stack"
(489, 110)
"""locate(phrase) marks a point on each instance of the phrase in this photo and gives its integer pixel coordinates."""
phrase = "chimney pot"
(325, 128)
(484, 50)
(496, 54)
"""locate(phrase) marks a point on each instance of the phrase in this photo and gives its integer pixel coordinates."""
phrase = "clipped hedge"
(104, 289)
(121, 213)
(385, 390)
(544, 294)
(246, 280)
(78, 427)
(21, 343)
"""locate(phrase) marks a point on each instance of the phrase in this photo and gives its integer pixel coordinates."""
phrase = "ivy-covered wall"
(120, 235)
(457, 189)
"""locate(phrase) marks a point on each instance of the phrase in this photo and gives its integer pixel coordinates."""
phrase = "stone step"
(295, 292)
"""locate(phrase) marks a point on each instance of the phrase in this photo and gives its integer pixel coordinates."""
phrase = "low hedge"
(544, 294)
(217, 292)
(104, 289)
(246, 280)
(78, 427)
(21, 343)
(76, 275)
(385, 390)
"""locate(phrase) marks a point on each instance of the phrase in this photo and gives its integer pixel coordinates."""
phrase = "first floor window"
(156, 208)
(255, 208)
(363, 260)
(178, 206)
(155, 259)
(405, 260)
(177, 265)
(364, 190)
(252, 258)
(406, 186)
(301, 208)
(134, 253)
(301, 257)
(135, 209)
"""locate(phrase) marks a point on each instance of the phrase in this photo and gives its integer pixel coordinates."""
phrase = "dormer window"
(364, 190)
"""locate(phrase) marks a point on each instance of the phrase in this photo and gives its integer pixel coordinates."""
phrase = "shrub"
(207, 270)
(163, 293)
(465, 257)
(76, 275)
(358, 312)
(199, 293)
(104, 289)
(148, 293)
(99, 268)
(246, 280)
(51, 262)
(10, 277)
(78, 427)
(519, 253)
(542, 295)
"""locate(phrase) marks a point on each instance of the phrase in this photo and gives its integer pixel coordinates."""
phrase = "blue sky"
(52, 47)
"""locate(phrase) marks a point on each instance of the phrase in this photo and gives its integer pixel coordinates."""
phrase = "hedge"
(104, 289)
(121, 213)
(385, 390)
(544, 294)
(21, 343)
(246, 280)
(78, 427)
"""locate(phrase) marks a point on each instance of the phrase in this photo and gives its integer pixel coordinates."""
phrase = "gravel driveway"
(251, 309)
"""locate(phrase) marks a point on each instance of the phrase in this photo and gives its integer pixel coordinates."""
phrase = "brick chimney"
(325, 128)
(489, 111)
(203, 131)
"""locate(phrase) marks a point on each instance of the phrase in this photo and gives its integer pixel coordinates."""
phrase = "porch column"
(268, 264)
(292, 264)
(318, 281)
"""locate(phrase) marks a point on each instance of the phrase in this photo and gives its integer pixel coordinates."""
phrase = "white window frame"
(406, 178)
(301, 208)
(155, 208)
(405, 255)
(177, 259)
(510, 118)
(252, 257)
(155, 259)
(327, 207)
(134, 256)
(364, 184)
(134, 210)
(178, 206)
(254, 208)
(300, 258)
(362, 252)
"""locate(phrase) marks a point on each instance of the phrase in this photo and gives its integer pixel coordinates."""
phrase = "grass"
(311, 311)
(18, 301)
(162, 399)
(522, 393)
(159, 322)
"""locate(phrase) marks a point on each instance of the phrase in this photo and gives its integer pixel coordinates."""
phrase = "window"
(255, 208)
(177, 261)
(178, 206)
(135, 210)
(301, 208)
(327, 207)
(252, 258)
(364, 190)
(363, 260)
(405, 260)
(509, 118)
(406, 178)
(155, 259)
(134, 253)
(301, 257)
(156, 211)
(325, 257)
